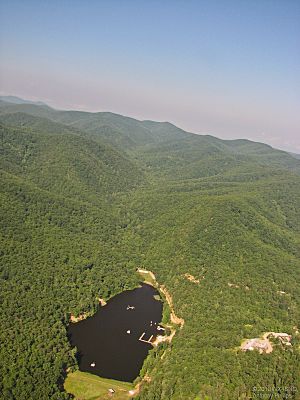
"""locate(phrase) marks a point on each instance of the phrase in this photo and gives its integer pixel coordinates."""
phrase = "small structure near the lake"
(160, 328)
(284, 338)
(102, 302)
(111, 391)
(263, 344)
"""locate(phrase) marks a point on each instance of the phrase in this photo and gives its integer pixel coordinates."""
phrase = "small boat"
(160, 328)
(130, 307)
(93, 364)
(129, 331)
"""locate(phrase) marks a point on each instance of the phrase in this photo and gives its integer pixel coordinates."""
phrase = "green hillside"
(66, 163)
(119, 130)
(161, 147)
(239, 242)
(87, 198)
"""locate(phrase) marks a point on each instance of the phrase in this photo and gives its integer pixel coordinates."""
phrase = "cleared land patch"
(85, 386)
(263, 345)
(191, 278)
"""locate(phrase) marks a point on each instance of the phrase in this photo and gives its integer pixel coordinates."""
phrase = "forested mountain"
(153, 142)
(87, 198)
(66, 163)
(122, 131)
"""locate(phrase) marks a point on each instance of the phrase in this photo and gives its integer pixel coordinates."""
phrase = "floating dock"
(143, 340)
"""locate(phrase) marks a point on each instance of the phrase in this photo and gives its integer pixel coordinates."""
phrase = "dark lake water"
(103, 339)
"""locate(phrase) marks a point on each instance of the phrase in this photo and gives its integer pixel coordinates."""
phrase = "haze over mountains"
(106, 124)
(113, 193)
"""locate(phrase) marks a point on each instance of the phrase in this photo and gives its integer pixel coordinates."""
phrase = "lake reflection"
(108, 343)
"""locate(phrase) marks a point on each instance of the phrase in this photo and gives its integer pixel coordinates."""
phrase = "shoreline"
(174, 319)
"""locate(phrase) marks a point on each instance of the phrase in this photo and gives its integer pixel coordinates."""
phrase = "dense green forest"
(87, 198)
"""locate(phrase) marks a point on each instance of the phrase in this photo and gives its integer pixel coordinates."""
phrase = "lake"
(108, 343)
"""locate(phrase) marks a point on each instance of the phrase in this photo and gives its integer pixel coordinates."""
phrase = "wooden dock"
(143, 340)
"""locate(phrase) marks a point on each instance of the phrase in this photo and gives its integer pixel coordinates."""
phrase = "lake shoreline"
(172, 326)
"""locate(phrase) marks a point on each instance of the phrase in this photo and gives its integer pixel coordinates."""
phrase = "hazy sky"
(228, 68)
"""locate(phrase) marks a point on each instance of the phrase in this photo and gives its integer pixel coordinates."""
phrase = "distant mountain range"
(18, 100)
(95, 121)
(295, 155)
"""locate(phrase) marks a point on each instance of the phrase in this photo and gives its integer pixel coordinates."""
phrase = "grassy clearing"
(147, 278)
(85, 386)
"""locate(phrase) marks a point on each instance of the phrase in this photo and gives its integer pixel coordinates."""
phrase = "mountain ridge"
(67, 117)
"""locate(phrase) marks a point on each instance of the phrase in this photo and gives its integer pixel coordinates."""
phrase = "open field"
(85, 386)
